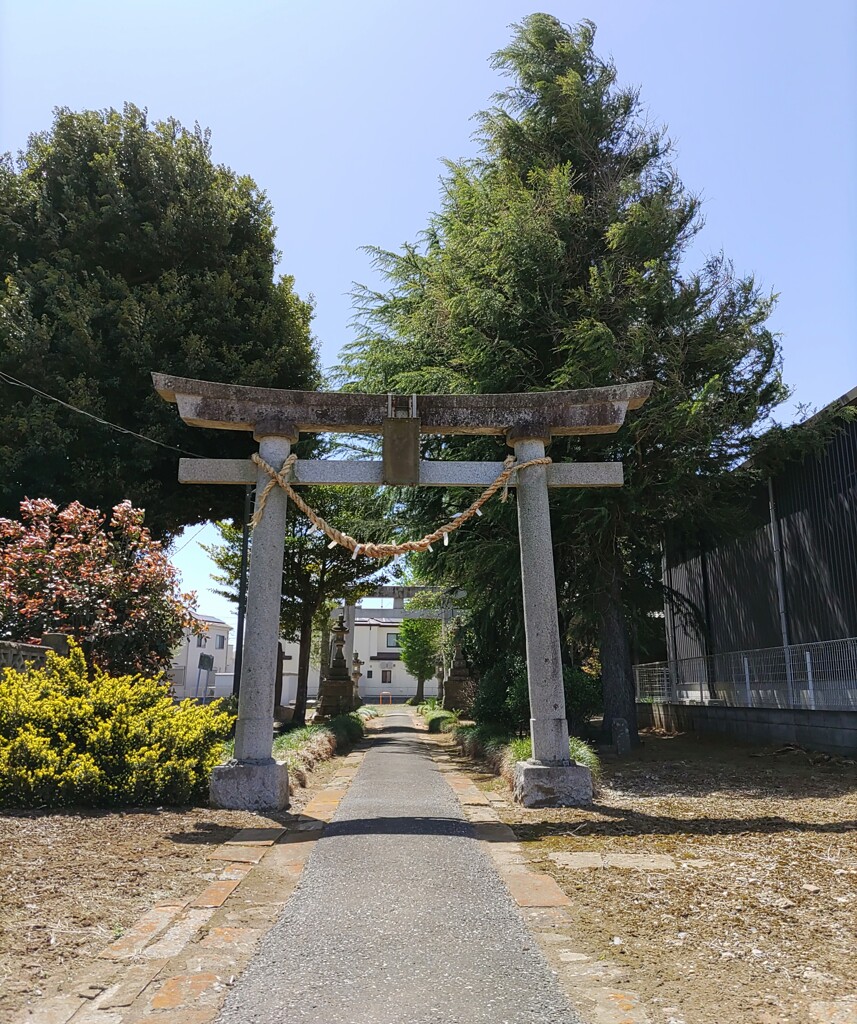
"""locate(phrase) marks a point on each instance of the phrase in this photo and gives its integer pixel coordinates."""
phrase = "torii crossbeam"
(254, 780)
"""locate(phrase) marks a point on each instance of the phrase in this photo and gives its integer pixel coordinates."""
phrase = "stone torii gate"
(528, 421)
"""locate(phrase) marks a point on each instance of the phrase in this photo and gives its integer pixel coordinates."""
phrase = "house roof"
(211, 619)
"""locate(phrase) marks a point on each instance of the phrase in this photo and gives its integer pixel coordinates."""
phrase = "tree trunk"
(304, 650)
(324, 651)
(617, 677)
(419, 696)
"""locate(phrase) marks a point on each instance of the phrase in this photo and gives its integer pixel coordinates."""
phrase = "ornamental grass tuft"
(501, 752)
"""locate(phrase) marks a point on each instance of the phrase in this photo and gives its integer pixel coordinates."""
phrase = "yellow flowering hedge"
(66, 738)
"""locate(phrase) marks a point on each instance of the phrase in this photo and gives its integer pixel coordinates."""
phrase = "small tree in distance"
(98, 579)
(420, 643)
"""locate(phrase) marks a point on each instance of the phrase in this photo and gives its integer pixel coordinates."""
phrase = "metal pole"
(747, 682)
(810, 681)
(779, 578)
(242, 591)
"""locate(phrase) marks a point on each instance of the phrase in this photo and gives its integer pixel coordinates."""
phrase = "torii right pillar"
(549, 778)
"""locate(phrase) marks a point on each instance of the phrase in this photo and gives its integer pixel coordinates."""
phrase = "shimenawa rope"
(281, 478)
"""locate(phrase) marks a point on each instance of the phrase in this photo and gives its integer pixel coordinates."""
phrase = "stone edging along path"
(598, 989)
(179, 961)
(175, 965)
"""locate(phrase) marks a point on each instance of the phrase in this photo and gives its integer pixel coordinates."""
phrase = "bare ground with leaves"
(757, 923)
(74, 880)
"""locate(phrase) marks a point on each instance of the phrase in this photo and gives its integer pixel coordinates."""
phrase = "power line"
(9, 379)
(198, 532)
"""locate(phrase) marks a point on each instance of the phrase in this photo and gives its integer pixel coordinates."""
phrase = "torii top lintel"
(204, 403)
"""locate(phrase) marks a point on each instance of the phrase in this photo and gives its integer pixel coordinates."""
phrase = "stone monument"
(456, 696)
(356, 675)
(336, 696)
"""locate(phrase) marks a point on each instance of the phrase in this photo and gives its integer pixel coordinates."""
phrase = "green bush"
(584, 698)
(347, 729)
(493, 743)
(435, 720)
(503, 696)
(66, 738)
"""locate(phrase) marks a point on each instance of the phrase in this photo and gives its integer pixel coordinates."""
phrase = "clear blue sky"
(342, 111)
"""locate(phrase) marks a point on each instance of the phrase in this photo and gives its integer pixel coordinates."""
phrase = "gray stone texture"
(621, 737)
(254, 731)
(456, 692)
(548, 725)
(400, 917)
(541, 785)
(336, 693)
(203, 403)
(250, 786)
(370, 473)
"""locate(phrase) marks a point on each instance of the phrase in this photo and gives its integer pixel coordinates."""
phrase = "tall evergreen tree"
(124, 249)
(555, 262)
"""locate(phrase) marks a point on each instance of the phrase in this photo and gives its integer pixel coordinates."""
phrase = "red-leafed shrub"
(102, 580)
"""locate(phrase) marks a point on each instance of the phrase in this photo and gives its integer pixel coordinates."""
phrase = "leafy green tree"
(420, 641)
(124, 249)
(313, 573)
(556, 262)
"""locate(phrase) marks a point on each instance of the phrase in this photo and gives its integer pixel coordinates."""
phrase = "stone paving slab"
(151, 924)
(175, 964)
(585, 860)
(374, 917)
(255, 837)
(245, 854)
(599, 989)
(217, 893)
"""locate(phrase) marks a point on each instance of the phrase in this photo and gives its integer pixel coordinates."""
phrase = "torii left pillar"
(253, 779)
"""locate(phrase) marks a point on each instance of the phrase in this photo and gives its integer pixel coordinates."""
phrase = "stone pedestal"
(543, 785)
(250, 786)
(456, 691)
(621, 737)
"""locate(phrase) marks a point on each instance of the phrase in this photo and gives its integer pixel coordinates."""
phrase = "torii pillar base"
(547, 785)
(250, 786)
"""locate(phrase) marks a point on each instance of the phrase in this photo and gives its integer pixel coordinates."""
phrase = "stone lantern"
(335, 695)
(356, 674)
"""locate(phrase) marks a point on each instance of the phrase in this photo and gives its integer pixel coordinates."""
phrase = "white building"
(201, 658)
(376, 642)
(203, 666)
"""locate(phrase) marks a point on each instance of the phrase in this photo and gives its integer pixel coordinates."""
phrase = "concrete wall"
(834, 732)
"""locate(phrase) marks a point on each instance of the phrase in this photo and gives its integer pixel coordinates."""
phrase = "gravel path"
(399, 917)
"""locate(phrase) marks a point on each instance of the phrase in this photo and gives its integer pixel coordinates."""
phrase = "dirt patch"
(74, 880)
(756, 923)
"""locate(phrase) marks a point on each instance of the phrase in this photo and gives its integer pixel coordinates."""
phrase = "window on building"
(386, 676)
(200, 641)
(220, 642)
(369, 673)
(393, 640)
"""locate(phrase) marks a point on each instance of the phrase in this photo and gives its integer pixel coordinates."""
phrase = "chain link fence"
(817, 677)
